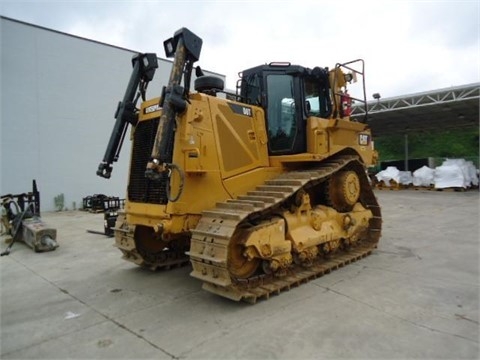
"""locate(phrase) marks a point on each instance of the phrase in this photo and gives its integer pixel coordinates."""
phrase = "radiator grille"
(140, 188)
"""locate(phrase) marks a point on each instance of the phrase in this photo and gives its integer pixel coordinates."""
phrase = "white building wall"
(58, 97)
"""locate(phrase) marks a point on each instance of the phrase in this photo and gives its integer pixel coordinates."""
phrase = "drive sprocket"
(343, 190)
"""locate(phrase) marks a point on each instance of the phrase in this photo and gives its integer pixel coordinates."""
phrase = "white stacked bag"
(453, 173)
(392, 174)
(456, 173)
(424, 176)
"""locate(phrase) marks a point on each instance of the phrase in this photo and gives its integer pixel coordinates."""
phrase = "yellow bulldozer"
(260, 189)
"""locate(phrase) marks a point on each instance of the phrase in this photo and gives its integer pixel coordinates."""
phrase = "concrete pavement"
(416, 297)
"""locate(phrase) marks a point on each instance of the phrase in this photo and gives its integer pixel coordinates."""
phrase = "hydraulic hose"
(172, 167)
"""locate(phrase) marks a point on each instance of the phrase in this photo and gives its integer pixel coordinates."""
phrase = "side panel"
(328, 137)
(217, 140)
(196, 155)
(241, 137)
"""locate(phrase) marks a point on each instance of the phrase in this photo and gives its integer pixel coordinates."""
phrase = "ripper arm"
(144, 66)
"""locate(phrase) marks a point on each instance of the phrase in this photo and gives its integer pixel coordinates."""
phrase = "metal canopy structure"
(436, 110)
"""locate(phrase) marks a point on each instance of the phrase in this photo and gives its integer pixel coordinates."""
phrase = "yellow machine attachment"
(260, 190)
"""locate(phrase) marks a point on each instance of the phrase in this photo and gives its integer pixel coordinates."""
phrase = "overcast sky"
(408, 46)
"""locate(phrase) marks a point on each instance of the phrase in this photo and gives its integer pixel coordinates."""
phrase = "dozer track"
(210, 239)
(164, 258)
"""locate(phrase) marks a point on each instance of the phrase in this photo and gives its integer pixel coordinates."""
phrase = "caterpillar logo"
(363, 139)
(152, 108)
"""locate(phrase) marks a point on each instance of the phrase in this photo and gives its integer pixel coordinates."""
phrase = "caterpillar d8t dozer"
(261, 189)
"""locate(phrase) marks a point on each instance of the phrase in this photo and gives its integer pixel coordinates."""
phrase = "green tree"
(458, 143)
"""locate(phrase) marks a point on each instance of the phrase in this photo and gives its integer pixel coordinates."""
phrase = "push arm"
(185, 46)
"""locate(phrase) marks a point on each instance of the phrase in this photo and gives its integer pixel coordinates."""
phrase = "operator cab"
(289, 94)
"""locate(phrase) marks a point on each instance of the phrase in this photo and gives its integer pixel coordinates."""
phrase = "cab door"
(284, 110)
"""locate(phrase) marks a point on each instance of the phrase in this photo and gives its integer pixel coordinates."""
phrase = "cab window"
(316, 101)
(281, 112)
(251, 89)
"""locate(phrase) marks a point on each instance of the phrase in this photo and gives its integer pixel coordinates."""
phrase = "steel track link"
(125, 241)
(254, 289)
(209, 242)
